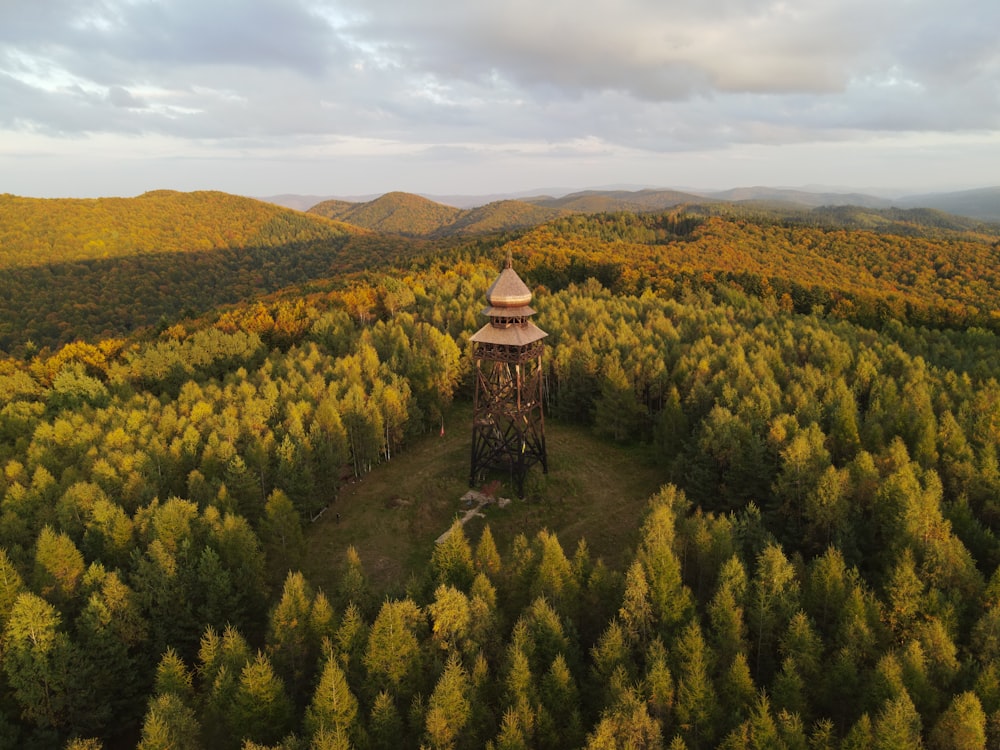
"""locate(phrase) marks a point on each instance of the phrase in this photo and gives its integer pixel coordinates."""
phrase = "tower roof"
(519, 335)
(509, 312)
(508, 290)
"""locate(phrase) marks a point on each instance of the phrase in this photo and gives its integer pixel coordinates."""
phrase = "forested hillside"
(411, 215)
(902, 270)
(820, 569)
(610, 201)
(93, 269)
(36, 231)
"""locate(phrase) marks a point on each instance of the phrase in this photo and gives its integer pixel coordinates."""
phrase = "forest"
(818, 571)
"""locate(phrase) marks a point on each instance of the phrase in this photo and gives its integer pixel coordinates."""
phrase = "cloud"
(593, 78)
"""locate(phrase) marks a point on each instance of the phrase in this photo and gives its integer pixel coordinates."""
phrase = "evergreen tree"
(333, 709)
(281, 533)
(11, 585)
(773, 599)
(563, 724)
(554, 577)
(260, 710)
(962, 726)
(669, 598)
(449, 709)
(727, 628)
(626, 725)
(658, 684)
(174, 678)
(170, 724)
(487, 558)
(737, 693)
(696, 706)
(451, 618)
(292, 644)
(39, 661)
(353, 584)
(636, 613)
(451, 560)
(897, 726)
(393, 657)
(59, 568)
(385, 726)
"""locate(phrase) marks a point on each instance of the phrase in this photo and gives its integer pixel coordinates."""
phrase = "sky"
(464, 97)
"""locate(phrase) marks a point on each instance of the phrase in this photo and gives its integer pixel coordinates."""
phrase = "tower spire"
(510, 259)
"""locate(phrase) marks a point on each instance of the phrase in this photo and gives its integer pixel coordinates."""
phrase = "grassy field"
(594, 490)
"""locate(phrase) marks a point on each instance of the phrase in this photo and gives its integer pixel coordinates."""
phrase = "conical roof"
(508, 290)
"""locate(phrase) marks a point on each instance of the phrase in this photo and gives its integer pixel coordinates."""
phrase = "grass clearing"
(594, 490)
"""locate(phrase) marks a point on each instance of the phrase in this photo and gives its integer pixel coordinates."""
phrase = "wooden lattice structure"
(508, 427)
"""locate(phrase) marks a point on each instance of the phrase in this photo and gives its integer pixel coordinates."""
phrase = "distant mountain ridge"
(799, 197)
(412, 215)
(981, 203)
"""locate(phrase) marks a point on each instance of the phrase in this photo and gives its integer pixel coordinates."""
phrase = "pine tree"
(385, 725)
(554, 577)
(773, 599)
(487, 557)
(111, 634)
(11, 585)
(59, 567)
(520, 696)
(261, 710)
(173, 677)
(636, 613)
(669, 598)
(222, 660)
(349, 642)
(512, 735)
(737, 693)
(962, 726)
(393, 656)
(904, 594)
(281, 533)
(451, 560)
(617, 412)
(696, 706)
(563, 725)
(897, 726)
(292, 645)
(333, 709)
(170, 724)
(658, 683)
(626, 725)
(727, 628)
(449, 709)
(39, 662)
(451, 618)
(353, 584)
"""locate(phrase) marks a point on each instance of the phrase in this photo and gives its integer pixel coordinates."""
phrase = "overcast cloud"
(114, 97)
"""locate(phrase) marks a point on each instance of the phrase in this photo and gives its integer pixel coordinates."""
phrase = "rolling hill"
(411, 215)
(393, 213)
(39, 231)
(608, 201)
(798, 197)
(87, 269)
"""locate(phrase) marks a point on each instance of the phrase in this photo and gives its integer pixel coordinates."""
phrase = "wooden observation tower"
(508, 428)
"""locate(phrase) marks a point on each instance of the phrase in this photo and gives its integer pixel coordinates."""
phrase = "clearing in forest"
(393, 515)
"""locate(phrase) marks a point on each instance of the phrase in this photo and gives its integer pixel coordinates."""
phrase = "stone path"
(472, 496)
